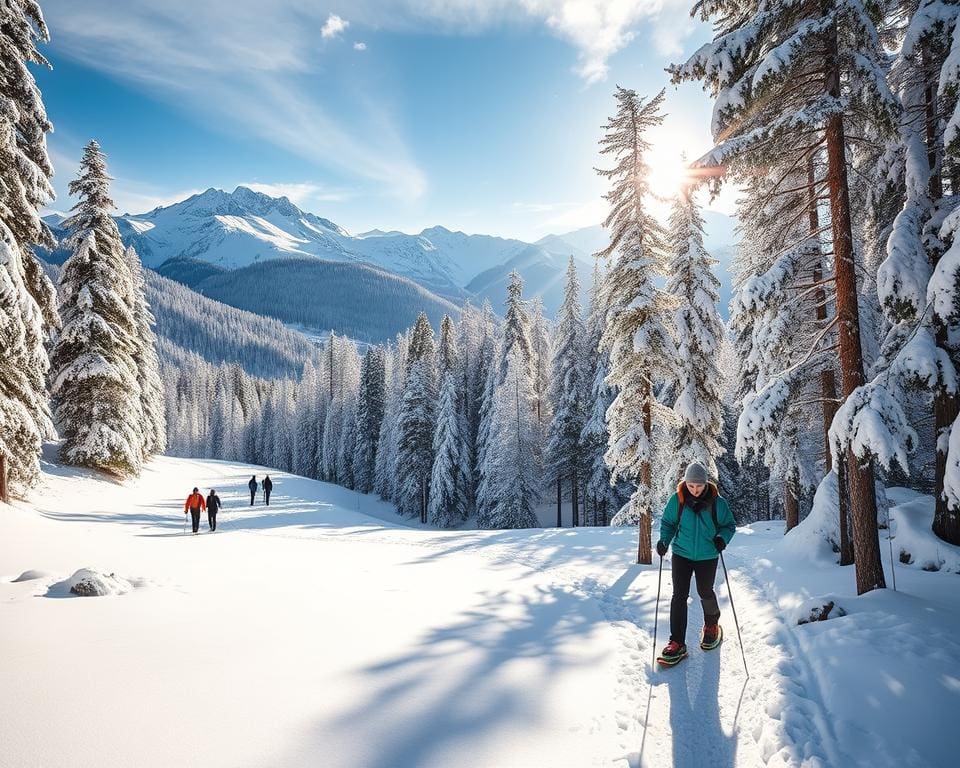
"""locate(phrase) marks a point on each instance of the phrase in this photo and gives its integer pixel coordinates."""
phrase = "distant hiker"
(252, 485)
(195, 504)
(213, 506)
(698, 521)
(267, 487)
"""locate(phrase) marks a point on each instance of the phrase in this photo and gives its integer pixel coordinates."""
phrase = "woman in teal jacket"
(698, 522)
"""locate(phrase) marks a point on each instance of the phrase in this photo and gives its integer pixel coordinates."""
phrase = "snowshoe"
(672, 654)
(711, 639)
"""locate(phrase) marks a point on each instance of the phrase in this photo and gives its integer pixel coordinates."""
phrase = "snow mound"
(30, 575)
(816, 609)
(90, 583)
(817, 537)
(915, 541)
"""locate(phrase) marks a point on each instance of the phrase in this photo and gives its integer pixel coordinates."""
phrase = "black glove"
(661, 548)
(719, 543)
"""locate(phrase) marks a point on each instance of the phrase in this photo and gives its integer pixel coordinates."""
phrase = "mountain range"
(216, 241)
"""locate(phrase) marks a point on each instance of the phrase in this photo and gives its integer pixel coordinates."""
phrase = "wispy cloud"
(333, 26)
(596, 28)
(359, 46)
(233, 64)
(303, 194)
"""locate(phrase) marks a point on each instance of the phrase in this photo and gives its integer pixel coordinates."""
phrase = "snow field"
(321, 630)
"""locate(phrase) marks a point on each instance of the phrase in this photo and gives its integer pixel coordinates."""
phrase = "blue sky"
(397, 114)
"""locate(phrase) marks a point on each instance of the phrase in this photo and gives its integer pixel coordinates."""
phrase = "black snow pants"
(195, 514)
(706, 572)
(266, 495)
(211, 519)
(253, 495)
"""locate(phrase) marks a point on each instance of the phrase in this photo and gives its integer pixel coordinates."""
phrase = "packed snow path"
(320, 631)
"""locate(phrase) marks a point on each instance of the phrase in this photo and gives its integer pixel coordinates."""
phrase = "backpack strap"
(713, 513)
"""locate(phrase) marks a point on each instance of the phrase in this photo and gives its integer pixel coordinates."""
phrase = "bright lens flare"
(669, 173)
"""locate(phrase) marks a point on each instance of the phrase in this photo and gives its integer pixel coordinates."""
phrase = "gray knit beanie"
(695, 473)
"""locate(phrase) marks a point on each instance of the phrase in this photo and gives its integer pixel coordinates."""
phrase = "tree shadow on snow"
(460, 686)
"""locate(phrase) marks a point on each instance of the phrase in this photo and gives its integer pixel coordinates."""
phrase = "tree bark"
(863, 502)
(4, 492)
(791, 500)
(559, 503)
(575, 497)
(828, 385)
(644, 553)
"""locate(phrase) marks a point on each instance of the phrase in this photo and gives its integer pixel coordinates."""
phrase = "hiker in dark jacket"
(195, 503)
(252, 485)
(698, 521)
(267, 487)
(213, 506)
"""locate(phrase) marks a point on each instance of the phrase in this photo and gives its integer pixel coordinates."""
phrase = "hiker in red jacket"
(196, 504)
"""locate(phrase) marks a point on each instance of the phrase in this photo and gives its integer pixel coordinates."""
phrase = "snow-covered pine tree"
(639, 345)
(470, 336)
(27, 300)
(698, 334)
(516, 328)
(305, 437)
(781, 333)
(386, 482)
(565, 453)
(489, 368)
(370, 405)
(920, 351)
(448, 483)
(601, 498)
(416, 423)
(510, 472)
(540, 355)
(98, 404)
(154, 427)
(790, 82)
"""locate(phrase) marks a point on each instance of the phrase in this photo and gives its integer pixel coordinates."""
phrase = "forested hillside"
(355, 300)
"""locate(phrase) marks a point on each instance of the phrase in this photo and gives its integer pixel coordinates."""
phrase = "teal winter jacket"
(693, 539)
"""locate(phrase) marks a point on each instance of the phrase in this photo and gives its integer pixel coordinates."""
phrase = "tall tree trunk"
(4, 493)
(791, 499)
(644, 553)
(575, 494)
(863, 501)
(828, 386)
(559, 503)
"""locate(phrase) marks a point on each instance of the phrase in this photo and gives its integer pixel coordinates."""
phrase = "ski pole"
(653, 662)
(656, 615)
(732, 608)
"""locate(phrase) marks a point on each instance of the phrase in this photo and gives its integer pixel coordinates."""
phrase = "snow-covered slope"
(323, 630)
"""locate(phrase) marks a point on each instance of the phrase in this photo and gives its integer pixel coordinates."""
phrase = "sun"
(672, 150)
(669, 171)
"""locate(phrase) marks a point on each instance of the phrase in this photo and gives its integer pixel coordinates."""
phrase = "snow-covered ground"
(322, 631)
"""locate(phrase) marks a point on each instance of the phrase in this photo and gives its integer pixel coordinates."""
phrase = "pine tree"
(698, 333)
(790, 83)
(601, 498)
(154, 427)
(448, 481)
(513, 490)
(565, 452)
(417, 422)
(98, 400)
(919, 171)
(27, 301)
(635, 337)
(370, 408)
